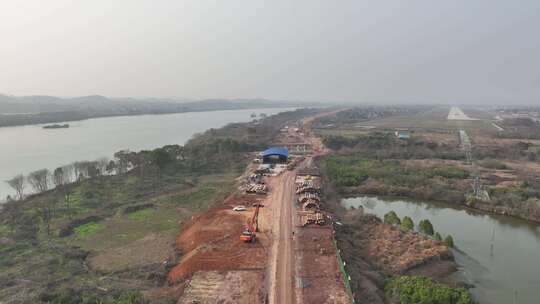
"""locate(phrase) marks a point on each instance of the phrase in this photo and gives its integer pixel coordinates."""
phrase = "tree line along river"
(28, 148)
(499, 255)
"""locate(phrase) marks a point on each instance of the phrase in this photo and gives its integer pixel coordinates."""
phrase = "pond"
(499, 255)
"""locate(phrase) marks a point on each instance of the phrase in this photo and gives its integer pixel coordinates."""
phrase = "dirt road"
(282, 279)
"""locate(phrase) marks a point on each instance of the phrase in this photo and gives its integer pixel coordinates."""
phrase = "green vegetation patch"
(197, 199)
(420, 290)
(142, 215)
(88, 229)
(346, 171)
(4, 230)
(68, 296)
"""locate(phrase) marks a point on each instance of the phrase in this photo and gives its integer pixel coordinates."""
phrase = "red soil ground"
(210, 242)
(318, 266)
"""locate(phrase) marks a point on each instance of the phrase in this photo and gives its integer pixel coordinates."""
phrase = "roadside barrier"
(344, 275)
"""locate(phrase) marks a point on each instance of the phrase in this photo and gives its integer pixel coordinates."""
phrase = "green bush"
(420, 290)
(449, 241)
(70, 296)
(88, 229)
(392, 218)
(141, 215)
(449, 172)
(437, 237)
(426, 227)
(350, 171)
(407, 224)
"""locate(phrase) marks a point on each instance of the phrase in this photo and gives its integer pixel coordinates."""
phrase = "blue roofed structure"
(275, 155)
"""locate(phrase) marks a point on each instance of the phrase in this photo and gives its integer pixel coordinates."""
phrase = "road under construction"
(279, 250)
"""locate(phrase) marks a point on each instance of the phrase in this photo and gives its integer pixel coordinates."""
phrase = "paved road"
(457, 114)
(283, 291)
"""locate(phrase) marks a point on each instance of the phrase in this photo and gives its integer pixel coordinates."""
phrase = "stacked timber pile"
(304, 197)
(309, 197)
(257, 188)
(294, 162)
(255, 178)
(311, 205)
(312, 217)
(308, 186)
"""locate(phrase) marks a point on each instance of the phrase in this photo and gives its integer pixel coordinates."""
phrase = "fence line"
(345, 276)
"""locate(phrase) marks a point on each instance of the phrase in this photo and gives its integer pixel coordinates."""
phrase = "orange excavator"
(248, 235)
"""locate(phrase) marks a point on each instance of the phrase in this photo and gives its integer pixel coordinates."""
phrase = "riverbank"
(372, 188)
(100, 138)
(446, 181)
(493, 251)
(31, 110)
(375, 252)
(107, 238)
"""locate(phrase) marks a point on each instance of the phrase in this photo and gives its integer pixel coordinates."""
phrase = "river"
(499, 255)
(27, 148)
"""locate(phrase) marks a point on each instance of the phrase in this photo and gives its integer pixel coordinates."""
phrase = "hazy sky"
(403, 50)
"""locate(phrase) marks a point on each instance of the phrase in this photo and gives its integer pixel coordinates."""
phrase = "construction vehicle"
(248, 235)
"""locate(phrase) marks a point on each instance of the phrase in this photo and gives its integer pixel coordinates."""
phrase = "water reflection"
(498, 254)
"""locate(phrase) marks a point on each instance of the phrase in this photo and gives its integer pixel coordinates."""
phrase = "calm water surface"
(27, 148)
(501, 256)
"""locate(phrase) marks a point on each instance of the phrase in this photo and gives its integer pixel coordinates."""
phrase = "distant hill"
(22, 110)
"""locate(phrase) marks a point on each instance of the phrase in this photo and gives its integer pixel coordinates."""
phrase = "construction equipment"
(248, 235)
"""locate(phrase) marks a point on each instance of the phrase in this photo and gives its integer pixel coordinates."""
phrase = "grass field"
(117, 242)
(88, 229)
(142, 215)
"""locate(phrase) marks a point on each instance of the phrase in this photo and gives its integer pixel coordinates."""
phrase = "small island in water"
(56, 126)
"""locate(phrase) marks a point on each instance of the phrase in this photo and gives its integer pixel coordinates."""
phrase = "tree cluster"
(424, 226)
(415, 290)
(43, 180)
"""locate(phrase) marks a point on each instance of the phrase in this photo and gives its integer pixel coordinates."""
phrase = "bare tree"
(39, 180)
(69, 173)
(111, 167)
(68, 191)
(102, 165)
(122, 158)
(59, 177)
(18, 184)
(46, 214)
(79, 168)
(92, 169)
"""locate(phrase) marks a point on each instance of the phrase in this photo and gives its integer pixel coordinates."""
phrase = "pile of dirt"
(224, 287)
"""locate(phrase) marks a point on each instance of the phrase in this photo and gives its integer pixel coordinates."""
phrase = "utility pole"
(466, 145)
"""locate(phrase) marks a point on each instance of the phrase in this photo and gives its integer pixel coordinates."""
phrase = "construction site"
(270, 241)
